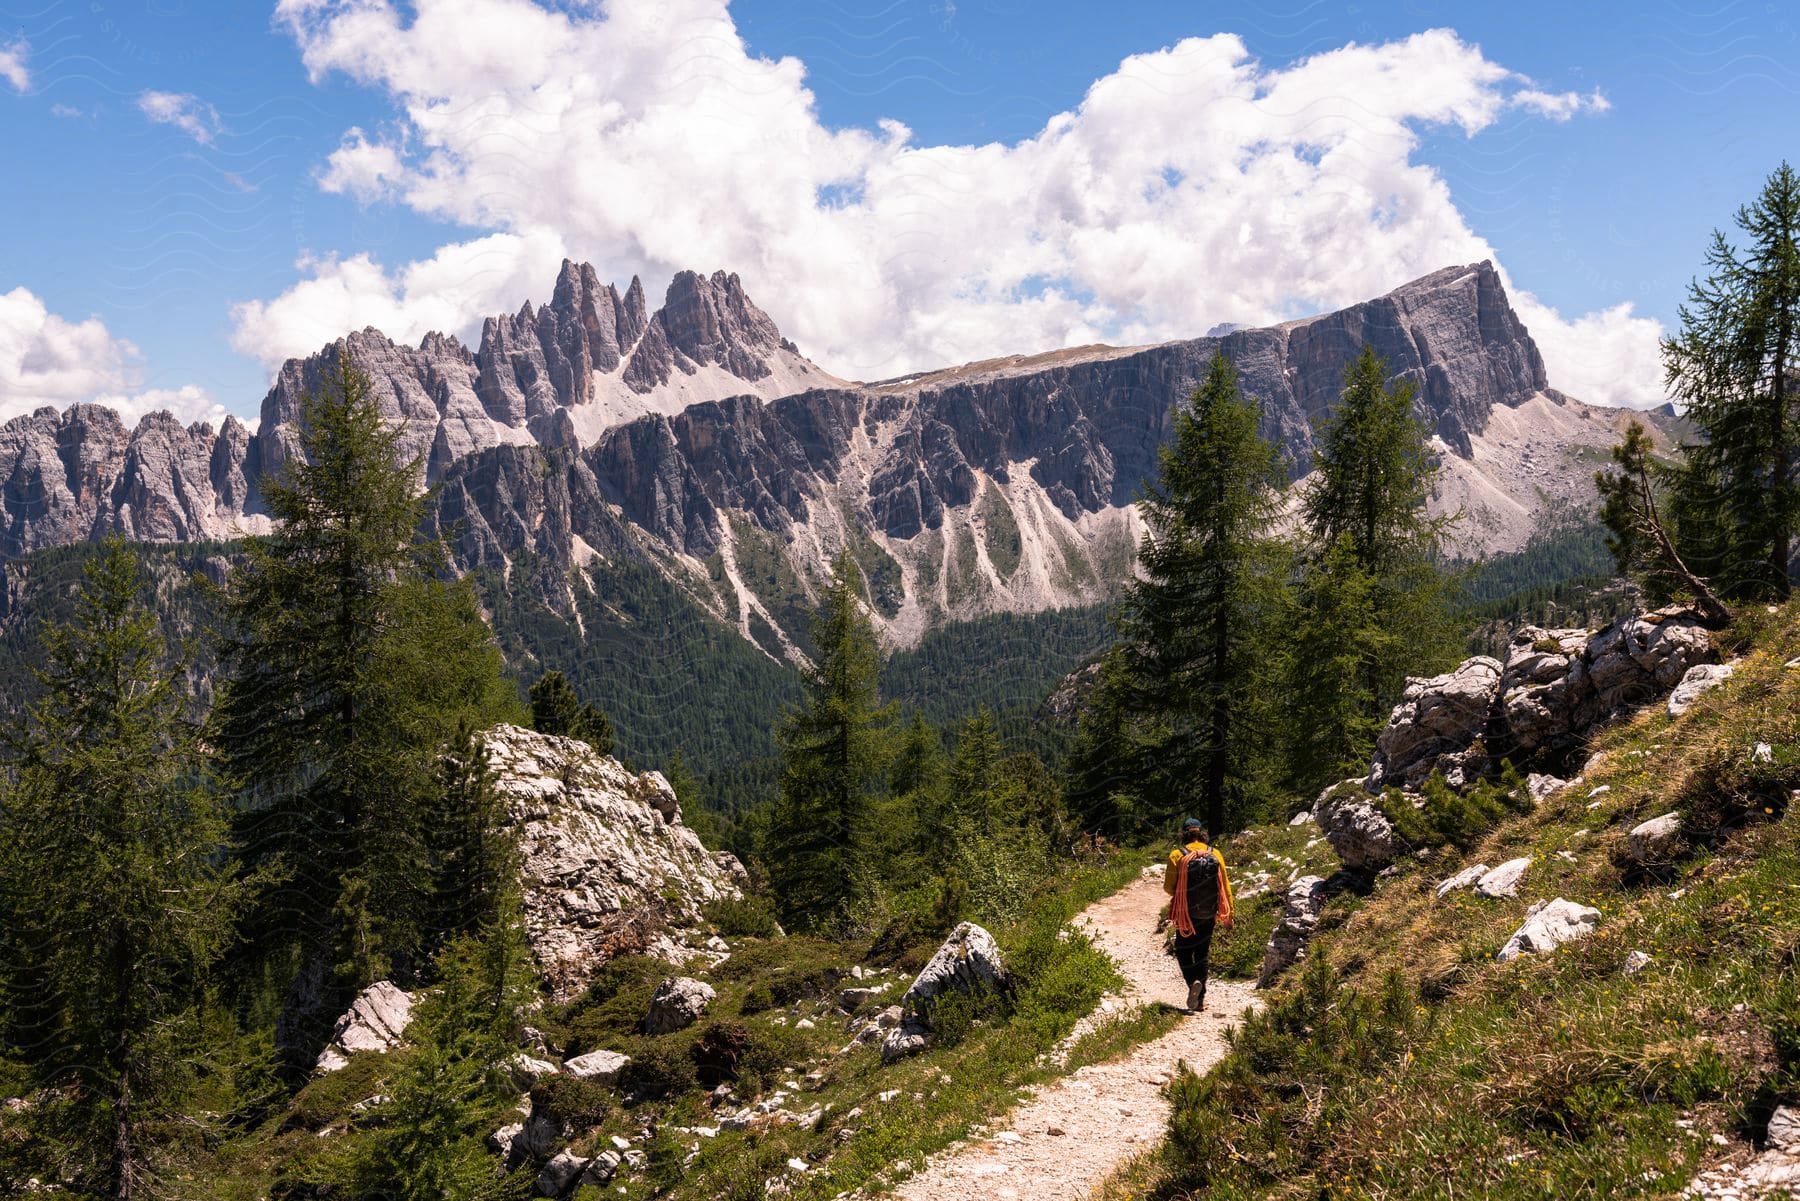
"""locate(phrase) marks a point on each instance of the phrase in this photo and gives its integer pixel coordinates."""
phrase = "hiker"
(1199, 896)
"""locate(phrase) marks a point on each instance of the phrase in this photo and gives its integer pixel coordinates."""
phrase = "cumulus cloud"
(190, 114)
(1609, 357)
(48, 360)
(12, 65)
(1194, 184)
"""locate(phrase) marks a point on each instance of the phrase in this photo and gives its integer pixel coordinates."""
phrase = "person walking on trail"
(1199, 898)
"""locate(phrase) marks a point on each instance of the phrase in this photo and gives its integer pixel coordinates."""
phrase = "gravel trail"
(1069, 1135)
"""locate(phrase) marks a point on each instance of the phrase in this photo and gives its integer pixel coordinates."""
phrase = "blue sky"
(171, 161)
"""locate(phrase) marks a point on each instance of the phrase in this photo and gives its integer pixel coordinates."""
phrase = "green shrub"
(718, 1052)
(772, 1051)
(746, 917)
(663, 1067)
(612, 1006)
(1446, 815)
(579, 1103)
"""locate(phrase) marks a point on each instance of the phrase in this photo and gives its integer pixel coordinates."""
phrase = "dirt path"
(1102, 1114)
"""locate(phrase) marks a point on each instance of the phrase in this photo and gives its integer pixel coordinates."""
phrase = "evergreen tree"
(975, 777)
(1375, 605)
(555, 709)
(1640, 541)
(1736, 365)
(832, 761)
(353, 667)
(114, 905)
(1198, 619)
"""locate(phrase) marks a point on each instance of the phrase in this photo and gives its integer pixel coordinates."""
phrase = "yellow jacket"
(1175, 858)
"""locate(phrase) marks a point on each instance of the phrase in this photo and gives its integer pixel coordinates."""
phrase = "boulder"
(1300, 909)
(1503, 881)
(968, 962)
(501, 1141)
(1359, 833)
(1542, 787)
(1699, 680)
(374, 1022)
(554, 1179)
(526, 1070)
(677, 1004)
(850, 998)
(602, 1067)
(1463, 879)
(606, 863)
(908, 1038)
(602, 1168)
(1437, 715)
(1654, 841)
(1548, 925)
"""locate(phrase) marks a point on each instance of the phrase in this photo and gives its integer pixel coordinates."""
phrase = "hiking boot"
(1196, 997)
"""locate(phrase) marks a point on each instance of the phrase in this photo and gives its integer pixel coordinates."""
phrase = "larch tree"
(1199, 618)
(832, 762)
(353, 665)
(1735, 366)
(115, 904)
(1374, 601)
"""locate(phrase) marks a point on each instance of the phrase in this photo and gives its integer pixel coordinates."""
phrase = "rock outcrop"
(1360, 834)
(1300, 908)
(607, 866)
(968, 962)
(375, 1021)
(1555, 689)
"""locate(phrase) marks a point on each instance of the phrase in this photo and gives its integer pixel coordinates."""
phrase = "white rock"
(1503, 881)
(1541, 786)
(526, 1070)
(559, 1173)
(1549, 924)
(501, 1141)
(1763, 753)
(1784, 1130)
(600, 845)
(796, 1165)
(1300, 818)
(677, 1004)
(1462, 879)
(602, 1067)
(1699, 680)
(602, 1167)
(1636, 962)
(374, 1022)
(1652, 841)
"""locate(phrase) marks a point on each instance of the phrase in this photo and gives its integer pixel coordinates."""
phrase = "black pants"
(1192, 953)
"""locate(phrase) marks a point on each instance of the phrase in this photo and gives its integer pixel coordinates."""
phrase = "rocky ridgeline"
(1555, 689)
(607, 867)
(588, 425)
(1539, 707)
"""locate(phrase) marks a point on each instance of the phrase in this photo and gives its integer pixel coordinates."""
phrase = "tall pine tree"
(1375, 604)
(1736, 366)
(114, 904)
(1199, 618)
(353, 667)
(832, 752)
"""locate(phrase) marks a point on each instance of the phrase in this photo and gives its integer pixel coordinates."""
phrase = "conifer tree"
(1640, 540)
(832, 762)
(1199, 618)
(556, 709)
(1736, 366)
(1374, 603)
(114, 905)
(353, 666)
(975, 776)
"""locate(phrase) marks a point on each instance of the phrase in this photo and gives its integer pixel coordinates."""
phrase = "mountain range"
(699, 442)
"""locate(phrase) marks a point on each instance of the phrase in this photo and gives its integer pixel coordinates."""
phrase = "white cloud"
(1192, 185)
(12, 65)
(1560, 106)
(190, 114)
(1609, 357)
(47, 360)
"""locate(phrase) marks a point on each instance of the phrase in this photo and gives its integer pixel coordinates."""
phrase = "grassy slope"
(1408, 1062)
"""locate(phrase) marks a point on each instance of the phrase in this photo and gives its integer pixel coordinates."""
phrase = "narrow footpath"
(1069, 1135)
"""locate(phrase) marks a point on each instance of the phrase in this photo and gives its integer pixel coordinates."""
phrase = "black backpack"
(1202, 886)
